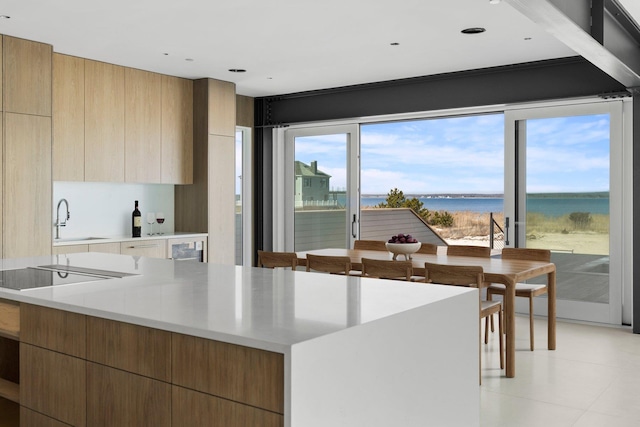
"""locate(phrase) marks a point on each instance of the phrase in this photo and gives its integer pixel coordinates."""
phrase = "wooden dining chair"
(329, 264)
(387, 269)
(428, 248)
(470, 276)
(269, 259)
(526, 290)
(469, 250)
(370, 245)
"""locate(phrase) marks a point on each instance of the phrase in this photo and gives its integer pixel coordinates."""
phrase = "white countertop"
(67, 241)
(255, 307)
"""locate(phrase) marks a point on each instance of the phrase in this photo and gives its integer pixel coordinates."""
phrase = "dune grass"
(474, 224)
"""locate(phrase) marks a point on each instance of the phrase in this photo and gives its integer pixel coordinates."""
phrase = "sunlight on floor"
(590, 380)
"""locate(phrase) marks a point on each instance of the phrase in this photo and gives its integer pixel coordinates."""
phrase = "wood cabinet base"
(117, 398)
(192, 408)
(29, 418)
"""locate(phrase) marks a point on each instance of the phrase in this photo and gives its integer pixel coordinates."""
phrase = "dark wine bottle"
(136, 222)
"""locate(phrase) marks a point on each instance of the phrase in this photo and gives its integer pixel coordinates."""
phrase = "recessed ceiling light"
(237, 70)
(473, 30)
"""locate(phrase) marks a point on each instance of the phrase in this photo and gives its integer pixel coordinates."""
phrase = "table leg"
(551, 315)
(509, 311)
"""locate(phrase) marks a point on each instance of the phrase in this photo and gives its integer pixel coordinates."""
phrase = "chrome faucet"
(64, 222)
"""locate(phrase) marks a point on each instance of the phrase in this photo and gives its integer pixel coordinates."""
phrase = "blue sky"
(466, 155)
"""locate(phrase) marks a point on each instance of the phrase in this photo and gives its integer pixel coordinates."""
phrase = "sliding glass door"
(564, 194)
(321, 184)
(566, 185)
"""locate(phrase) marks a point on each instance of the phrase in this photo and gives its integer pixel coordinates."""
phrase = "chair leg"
(486, 329)
(531, 322)
(500, 329)
(489, 298)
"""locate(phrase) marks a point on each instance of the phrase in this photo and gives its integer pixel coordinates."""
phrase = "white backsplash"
(100, 209)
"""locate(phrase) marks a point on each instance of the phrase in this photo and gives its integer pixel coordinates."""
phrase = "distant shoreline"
(585, 195)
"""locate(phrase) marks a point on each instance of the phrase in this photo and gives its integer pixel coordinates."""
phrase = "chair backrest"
(458, 275)
(469, 250)
(387, 269)
(268, 259)
(428, 248)
(370, 245)
(527, 254)
(329, 264)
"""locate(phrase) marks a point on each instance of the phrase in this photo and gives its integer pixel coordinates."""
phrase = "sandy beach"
(579, 243)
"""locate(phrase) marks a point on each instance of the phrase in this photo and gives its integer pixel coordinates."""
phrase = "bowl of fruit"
(402, 244)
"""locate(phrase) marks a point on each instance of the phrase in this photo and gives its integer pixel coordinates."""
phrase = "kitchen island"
(183, 343)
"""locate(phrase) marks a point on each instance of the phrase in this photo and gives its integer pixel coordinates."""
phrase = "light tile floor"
(592, 379)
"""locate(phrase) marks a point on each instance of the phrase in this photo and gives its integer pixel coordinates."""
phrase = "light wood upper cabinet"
(177, 130)
(143, 104)
(27, 225)
(222, 108)
(104, 122)
(119, 124)
(27, 76)
(1, 67)
(68, 118)
(1, 181)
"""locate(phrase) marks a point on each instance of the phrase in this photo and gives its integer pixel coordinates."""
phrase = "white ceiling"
(287, 45)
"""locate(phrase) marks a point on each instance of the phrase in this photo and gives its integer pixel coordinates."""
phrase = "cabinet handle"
(144, 246)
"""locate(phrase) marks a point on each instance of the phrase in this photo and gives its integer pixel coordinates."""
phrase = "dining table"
(496, 270)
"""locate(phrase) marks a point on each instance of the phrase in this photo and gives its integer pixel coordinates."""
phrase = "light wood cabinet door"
(53, 384)
(117, 398)
(27, 76)
(107, 248)
(150, 248)
(27, 172)
(1, 67)
(104, 122)
(69, 249)
(222, 108)
(222, 198)
(177, 130)
(143, 106)
(68, 118)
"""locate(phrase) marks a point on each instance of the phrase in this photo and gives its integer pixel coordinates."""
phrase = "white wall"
(104, 209)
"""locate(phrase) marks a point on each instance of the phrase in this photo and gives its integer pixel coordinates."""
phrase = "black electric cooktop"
(30, 278)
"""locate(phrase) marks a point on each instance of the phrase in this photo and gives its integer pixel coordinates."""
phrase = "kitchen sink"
(78, 239)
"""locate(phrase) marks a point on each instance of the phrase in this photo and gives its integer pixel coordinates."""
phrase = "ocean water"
(555, 206)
